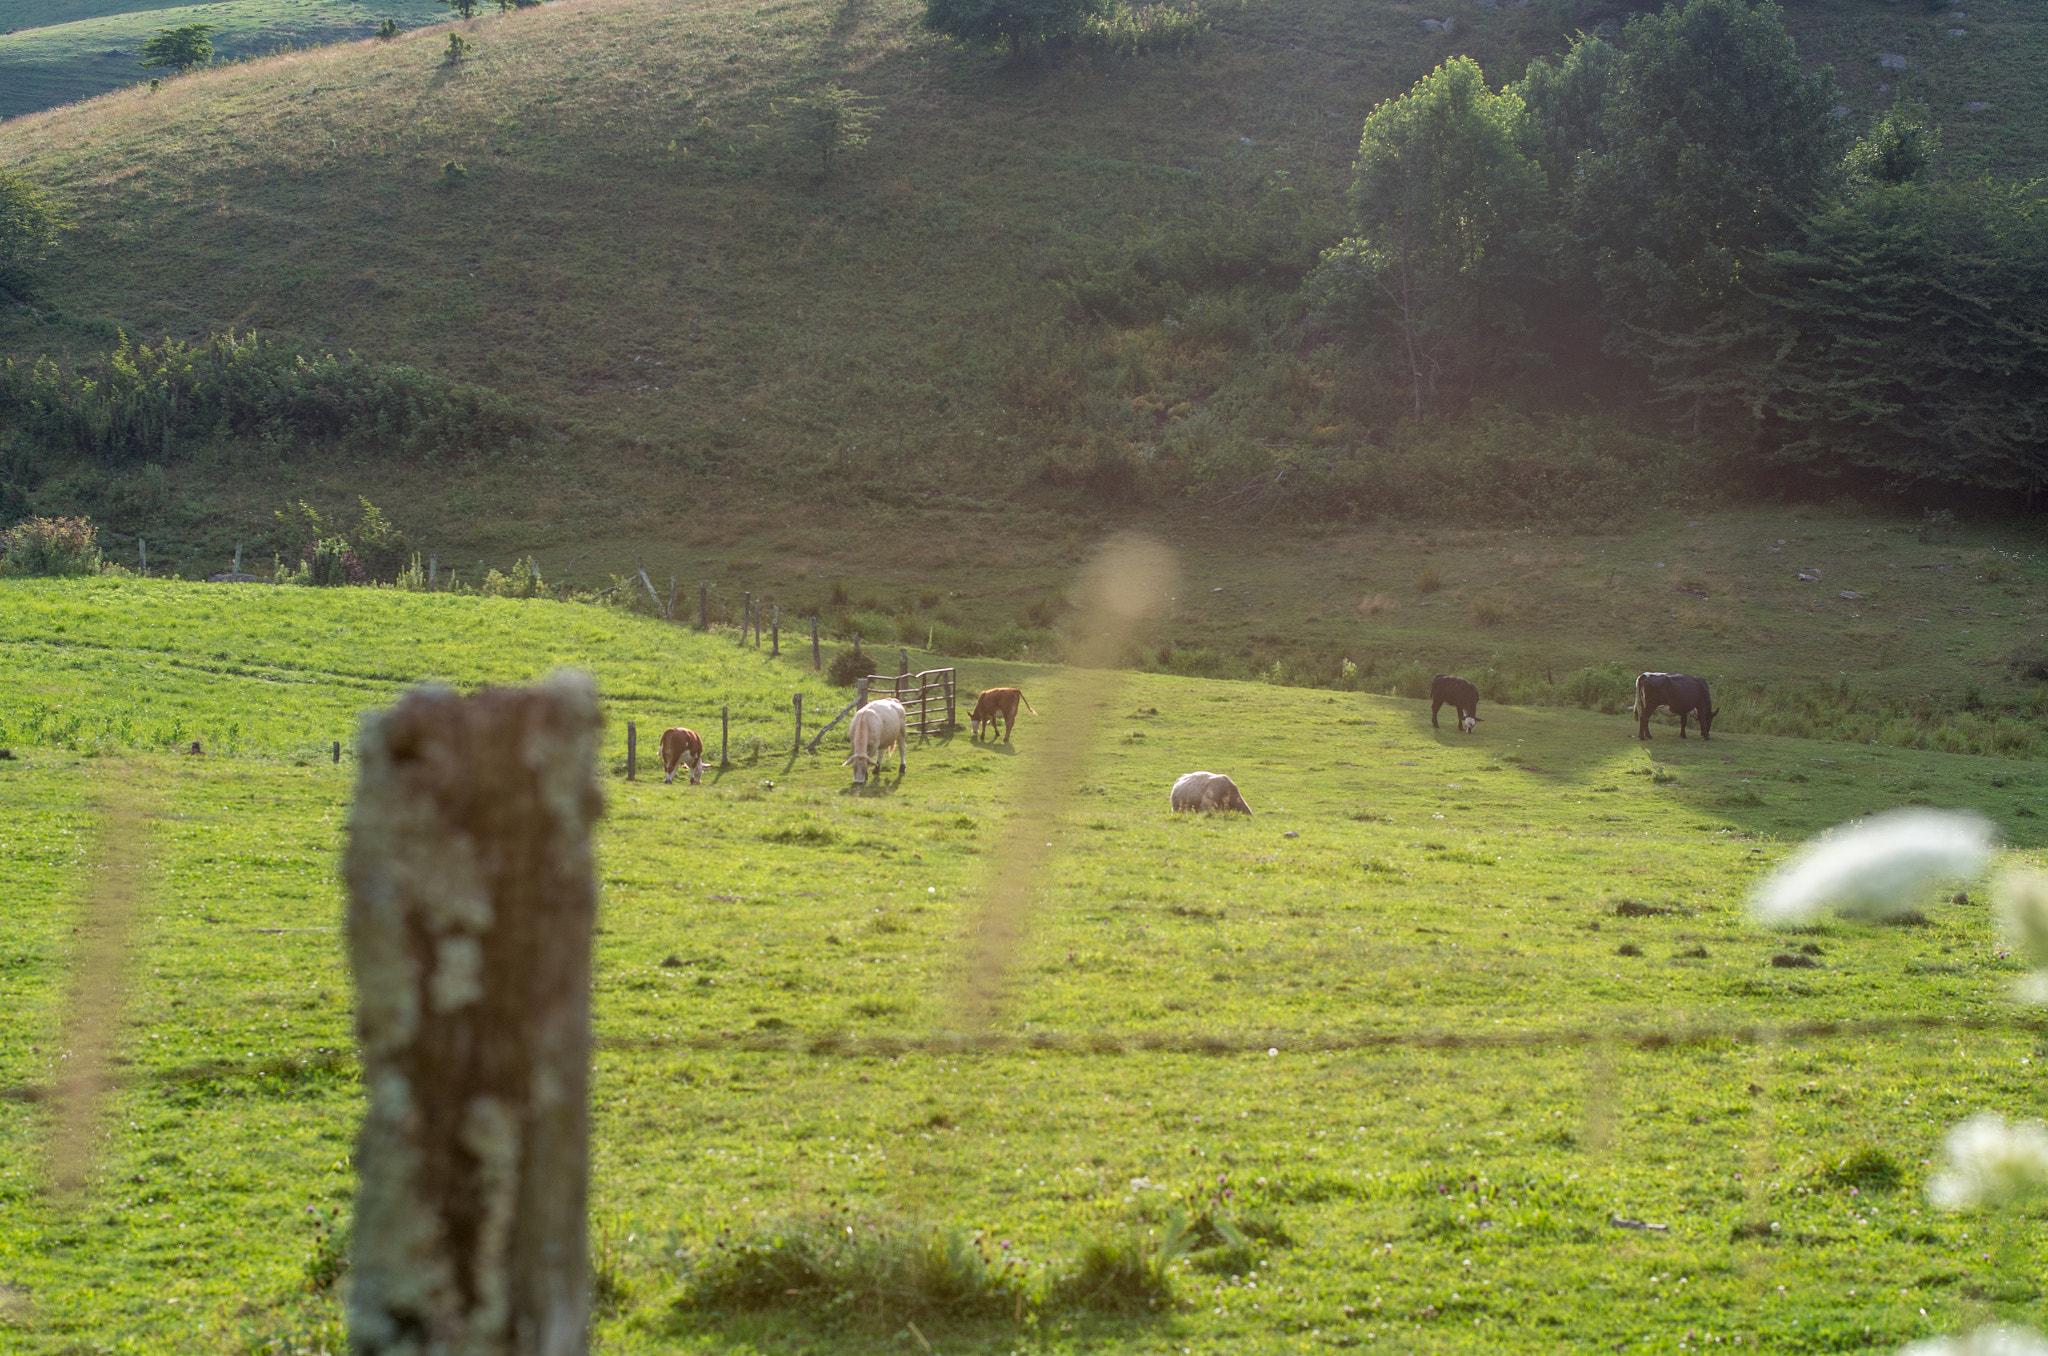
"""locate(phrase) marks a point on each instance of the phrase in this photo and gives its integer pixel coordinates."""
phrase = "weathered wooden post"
(472, 897)
(746, 615)
(143, 547)
(798, 699)
(815, 664)
(337, 752)
(724, 732)
(433, 570)
(238, 557)
(703, 606)
(775, 633)
(671, 597)
(902, 663)
(860, 692)
(632, 752)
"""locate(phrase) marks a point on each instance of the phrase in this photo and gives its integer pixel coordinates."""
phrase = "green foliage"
(29, 224)
(463, 9)
(827, 124)
(1128, 1270)
(850, 665)
(457, 50)
(1130, 30)
(1567, 103)
(141, 401)
(1442, 201)
(179, 49)
(332, 564)
(1908, 337)
(51, 546)
(1899, 150)
(388, 29)
(847, 1265)
(1714, 138)
(1010, 23)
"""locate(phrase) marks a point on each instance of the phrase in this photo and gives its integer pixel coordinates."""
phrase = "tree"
(464, 9)
(178, 49)
(1713, 141)
(1443, 199)
(1566, 103)
(29, 223)
(996, 23)
(1900, 148)
(828, 123)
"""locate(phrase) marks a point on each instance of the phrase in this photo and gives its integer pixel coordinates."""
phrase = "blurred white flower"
(1875, 866)
(1983, 1342)
(2023, 900)
(1991, 1163)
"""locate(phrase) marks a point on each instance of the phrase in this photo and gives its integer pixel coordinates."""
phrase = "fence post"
(724, 730)
(470, 918)
(798, 699)
(703, 606)
(671, 597)
(902, 663)
(746, 615)
(238, 557)
(860, 695)
(632, 752)
(950, 713)
(775, 633)
(433, 570)
(815, 665)
(143, 547)
(337, 751)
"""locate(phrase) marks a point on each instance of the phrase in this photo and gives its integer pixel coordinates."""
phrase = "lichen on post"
(472, 899)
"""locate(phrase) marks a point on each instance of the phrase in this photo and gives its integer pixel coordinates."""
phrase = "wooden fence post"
(860, 696)
(632, 752)
(143, 547)
(671, 597)
(951, 688)
(433, 570)
(703, 606)
(815, 664)
(472, 899)
(902, 663)
(724, 733)
(337, 751)
(798, 699)
(238, 557)
(775, 633)
(746, 615)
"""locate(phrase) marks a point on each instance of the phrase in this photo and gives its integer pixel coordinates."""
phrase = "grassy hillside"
(777, 954)
(63, 51)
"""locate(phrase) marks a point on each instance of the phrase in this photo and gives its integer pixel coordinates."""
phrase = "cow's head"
(1469, 722)
(859, 763)
(1706, 721)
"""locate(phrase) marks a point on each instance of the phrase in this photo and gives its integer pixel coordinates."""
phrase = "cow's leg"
(900, 764)
(1681, 721)
(1434, 707)
(1009, 724)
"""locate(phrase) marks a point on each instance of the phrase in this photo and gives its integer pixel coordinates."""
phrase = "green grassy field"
(1202, 1004)
(61, 53)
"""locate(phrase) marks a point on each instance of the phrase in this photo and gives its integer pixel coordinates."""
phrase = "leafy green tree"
(1567, 102)
(1442, 204)
(1913, 337)
(179, 49)
(828, 124)
(1901, 146)
(1011, 23)
(29, 223)
(464, 9)
(1714, 139)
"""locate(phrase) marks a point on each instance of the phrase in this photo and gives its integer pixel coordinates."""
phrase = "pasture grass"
(1497, 993)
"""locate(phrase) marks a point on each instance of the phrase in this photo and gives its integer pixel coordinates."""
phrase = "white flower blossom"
(1983, 1342)
(2023, 900)
(1876, 866)
(1991, 1163)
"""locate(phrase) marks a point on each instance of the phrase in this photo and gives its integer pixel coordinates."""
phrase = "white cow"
(1207, 791)
(875, 727)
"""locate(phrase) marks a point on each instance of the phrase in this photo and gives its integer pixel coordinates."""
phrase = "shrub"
(843, 1265)
(50, 546)
(29, 222)
(332, 564)
(1133, 30)
(848, 666)
(1127, 1271)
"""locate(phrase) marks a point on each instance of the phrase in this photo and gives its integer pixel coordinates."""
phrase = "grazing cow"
(682, 746)
(1207, 791)
(876, 727)
(1457, 693)
(997, 701)
(1683, 694)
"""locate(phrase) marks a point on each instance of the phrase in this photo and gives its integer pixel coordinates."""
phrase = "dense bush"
(141, 401)
(50, 546)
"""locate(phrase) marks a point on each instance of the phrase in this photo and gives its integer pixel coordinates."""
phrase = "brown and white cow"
(997, 701)
(680, 746)
(1680, 693)
(876, 727)
(1207, 791)
(1448, 689)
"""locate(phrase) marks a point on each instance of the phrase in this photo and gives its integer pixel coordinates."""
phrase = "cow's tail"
(1026, 700)
(1637, 709)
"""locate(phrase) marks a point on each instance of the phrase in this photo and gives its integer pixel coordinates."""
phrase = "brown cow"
(997, 701)
(682, 746)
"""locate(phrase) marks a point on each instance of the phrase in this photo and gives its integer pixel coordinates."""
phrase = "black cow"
(1684, 694)
(1444, 690)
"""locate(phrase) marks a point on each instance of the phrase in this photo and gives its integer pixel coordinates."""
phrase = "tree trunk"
(471, 904)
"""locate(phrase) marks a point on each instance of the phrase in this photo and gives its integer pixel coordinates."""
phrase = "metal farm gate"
(927, 698)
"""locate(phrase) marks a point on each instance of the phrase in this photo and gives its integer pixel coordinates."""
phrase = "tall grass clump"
(846, 1266)
(50, 546)
(139, 401)
(1133, 30)
(1128, 1271)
